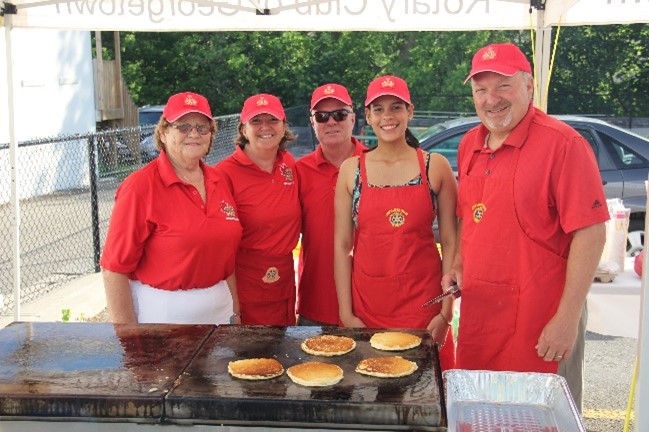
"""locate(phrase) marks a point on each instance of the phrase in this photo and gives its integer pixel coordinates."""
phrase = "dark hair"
(411, 139)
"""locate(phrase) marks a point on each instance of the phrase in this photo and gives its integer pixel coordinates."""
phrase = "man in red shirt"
(332, 118)
(532, 212)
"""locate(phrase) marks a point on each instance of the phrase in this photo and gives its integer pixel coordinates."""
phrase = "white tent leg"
(642, 379)
(13, 161)
(543, 52)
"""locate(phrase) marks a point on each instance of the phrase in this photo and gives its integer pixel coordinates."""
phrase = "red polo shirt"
(557, 185)
(317, 298)
(163, 234)
(267, 203)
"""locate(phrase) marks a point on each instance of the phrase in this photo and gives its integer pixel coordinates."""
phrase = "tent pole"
(642, 380)
(542, 49)
(13, 158)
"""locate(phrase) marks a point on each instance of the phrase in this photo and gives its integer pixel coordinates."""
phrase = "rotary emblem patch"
(287, 173)
(228, 209)
(396, 217)
(271, 276)
(478, 211)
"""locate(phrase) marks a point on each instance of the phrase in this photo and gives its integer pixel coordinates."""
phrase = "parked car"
(622, 156)
(148, 117)
(149, 114)
(148, 149)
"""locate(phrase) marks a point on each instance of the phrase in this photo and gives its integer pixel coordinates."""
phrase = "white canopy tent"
(321, 15)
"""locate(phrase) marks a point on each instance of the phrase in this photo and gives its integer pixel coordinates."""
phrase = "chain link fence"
(67, 188)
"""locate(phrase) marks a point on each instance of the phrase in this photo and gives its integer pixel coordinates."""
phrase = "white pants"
(212, 305)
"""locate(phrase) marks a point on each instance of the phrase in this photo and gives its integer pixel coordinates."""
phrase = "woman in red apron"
(261, 176)
(385, 206)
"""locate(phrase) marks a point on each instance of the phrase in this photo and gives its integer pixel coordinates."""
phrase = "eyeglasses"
(186, 128)
(338, 115)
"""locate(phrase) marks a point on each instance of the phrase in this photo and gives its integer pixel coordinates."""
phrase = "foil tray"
(489, 401)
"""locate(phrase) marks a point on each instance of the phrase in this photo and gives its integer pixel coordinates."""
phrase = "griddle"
(92, 371)
(207, 394)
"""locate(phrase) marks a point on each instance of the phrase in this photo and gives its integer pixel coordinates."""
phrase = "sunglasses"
(186, 128)
(338, 115)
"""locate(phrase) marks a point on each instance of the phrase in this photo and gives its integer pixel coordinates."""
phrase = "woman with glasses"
(386, 261)
(159, 261)
(261, 177)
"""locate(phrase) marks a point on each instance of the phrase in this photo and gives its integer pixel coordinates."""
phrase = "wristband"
(449, 323)
(234, 315)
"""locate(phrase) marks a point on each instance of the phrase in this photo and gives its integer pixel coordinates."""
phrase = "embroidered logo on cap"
(228, 209)
(271, 276)
(189, 100)
(490, 54)
(387, 83)
(396, 217)
(262, 101)
(329, 90)
(478, 211)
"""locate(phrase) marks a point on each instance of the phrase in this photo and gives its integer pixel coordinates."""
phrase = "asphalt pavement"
(608, 375)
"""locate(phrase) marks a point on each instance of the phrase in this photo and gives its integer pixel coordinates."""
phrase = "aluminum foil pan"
(488, 401)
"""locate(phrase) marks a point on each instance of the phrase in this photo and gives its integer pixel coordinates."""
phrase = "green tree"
(598, 69)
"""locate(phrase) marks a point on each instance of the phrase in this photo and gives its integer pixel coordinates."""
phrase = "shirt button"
(492, 155)
(194, 192)
(488, 172)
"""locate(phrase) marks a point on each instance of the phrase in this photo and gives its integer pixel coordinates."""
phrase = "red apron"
(511, 285)
(266, 289)
(397, 266)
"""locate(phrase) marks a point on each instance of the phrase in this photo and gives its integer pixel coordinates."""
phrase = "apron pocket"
(489, 313)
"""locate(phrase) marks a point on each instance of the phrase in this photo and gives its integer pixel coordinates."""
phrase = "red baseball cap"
(334, 91)
(387, 85)
(505, 59)
(262, 104)
(183, 103)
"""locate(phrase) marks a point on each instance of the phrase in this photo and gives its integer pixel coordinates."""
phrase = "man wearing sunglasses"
(332, 118)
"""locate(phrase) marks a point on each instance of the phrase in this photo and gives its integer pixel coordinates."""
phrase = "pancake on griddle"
(315, 374)
(394, 341)
(328, 345)
(386, 367)
(255, 368)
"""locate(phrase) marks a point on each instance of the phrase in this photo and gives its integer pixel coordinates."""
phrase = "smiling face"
(190, 147)
(263, 132)
(333, 133)
(388, 116)
(501, 101)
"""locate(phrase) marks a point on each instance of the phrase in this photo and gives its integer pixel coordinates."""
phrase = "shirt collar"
(241, 157)
(319, 155)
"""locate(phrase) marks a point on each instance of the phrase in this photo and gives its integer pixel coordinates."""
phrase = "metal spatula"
(453, 289)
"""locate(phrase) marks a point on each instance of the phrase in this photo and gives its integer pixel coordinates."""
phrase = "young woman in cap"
(386, 261)
(159, 262)
(261, 176)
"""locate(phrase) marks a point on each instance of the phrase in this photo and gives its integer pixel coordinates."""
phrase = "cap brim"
(182, 113)
(346, 102)
(368, 101)
(261, 111)
(505, 71)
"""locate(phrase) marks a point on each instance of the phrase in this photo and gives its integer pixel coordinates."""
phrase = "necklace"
(200, 179)
(486, 140)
